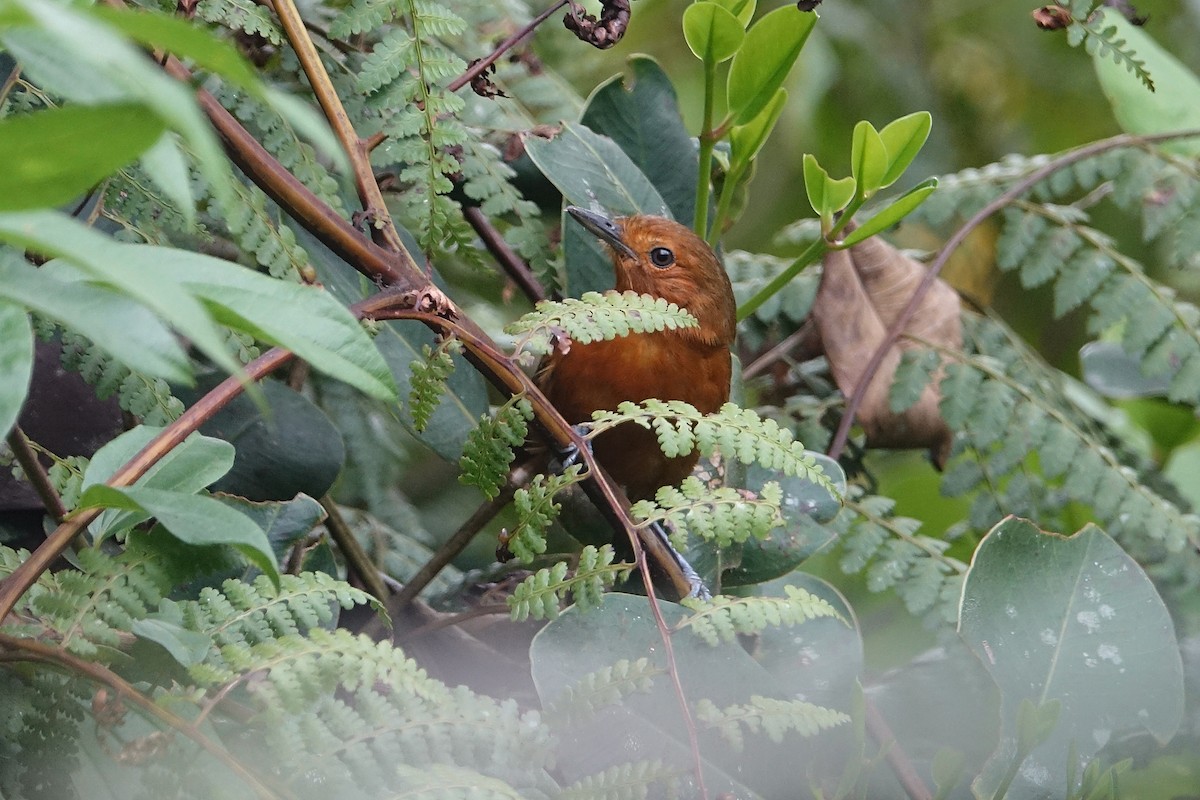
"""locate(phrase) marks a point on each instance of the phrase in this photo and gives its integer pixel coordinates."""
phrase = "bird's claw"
(567, 457)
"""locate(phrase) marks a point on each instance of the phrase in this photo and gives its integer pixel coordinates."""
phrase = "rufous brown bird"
(655, 256)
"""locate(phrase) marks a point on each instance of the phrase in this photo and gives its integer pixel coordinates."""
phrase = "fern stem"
(23, 649)
(482, 64)
(892, 334)
(36, 474)
(364, 178)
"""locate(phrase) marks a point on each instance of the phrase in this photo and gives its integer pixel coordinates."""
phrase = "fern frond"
(362, 16)
(723, 618)
(488, 449)
(914, 372)
(241, 15)
(539, 595)
(594, 317)
(1097, 38)
(773, 717)
(722, 515)
(732, 431)
(427, 380)
(147, 398)
(536, 509)
(633, 781)
(602, 688)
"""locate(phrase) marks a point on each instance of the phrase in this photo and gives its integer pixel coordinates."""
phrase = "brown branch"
(517, 269)
(357, 560)
(479, 66)
(22, 649)
(364, 178)
(892, 335)
(36, 474)
(897, 759)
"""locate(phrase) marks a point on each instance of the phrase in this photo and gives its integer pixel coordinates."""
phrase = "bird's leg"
(565, 457)
(698, 589)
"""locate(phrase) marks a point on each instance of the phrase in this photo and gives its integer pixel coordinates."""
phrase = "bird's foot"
(567, 457)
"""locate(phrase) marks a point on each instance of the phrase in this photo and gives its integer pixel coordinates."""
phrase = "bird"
(656, 256)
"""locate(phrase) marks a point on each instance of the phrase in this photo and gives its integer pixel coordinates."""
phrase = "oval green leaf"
(901, 207)
(55, 155)
(903, 138)
(764, 60)
(826, 195)
(742, 9)
(712, 33)
(1073, 620)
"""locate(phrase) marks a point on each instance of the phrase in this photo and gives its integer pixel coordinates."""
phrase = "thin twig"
(479, 66)
(517, 269)
(897, 759)
(892, 335)
(364, 177)
(450, 620)
(32, 650)
(760, 364)
(36, 474)
(357, 560)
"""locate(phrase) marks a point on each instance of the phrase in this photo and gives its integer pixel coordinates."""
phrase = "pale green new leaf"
(16, 363)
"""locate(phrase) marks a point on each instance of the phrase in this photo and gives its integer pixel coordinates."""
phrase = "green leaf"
(746, 140)
(191, 518)
(892, 213)
(123, 327)
(1112, 372)
(16, 363)
(868, 158)
(903, 138)
(825, 195)
(53, 156)
(1074, 620)
(185, 646)
(167, 166)
(195, 291)
(592, 171)
(713, 33)
(1174, 105)
(285, 523)
(765, 59)
(640, 112)
(742, 9)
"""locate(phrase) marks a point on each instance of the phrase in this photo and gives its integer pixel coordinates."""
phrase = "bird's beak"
(604, 228)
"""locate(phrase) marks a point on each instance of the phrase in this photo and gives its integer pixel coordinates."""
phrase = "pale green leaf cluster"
(536, 509)
(427, 380)
(539, 595)
(489, 447)
(767, 715)
(734, 432)
(605, 687)
(722, 515)
(633, 781)
(723, 618)
(595, 317)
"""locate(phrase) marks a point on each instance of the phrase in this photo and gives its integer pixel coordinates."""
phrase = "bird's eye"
(662, 257)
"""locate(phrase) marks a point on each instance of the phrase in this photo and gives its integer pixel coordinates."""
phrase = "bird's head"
(659, 257)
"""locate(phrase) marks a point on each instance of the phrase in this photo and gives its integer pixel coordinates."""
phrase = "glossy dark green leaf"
(903, 139)
(892, 213)
(592, 171)
(766, 57)
(640, 112)
(1073, 620)
(187, 647)
(55, 155)
(285, 447)
(712, 33)
(16, 363)
(284, 522)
